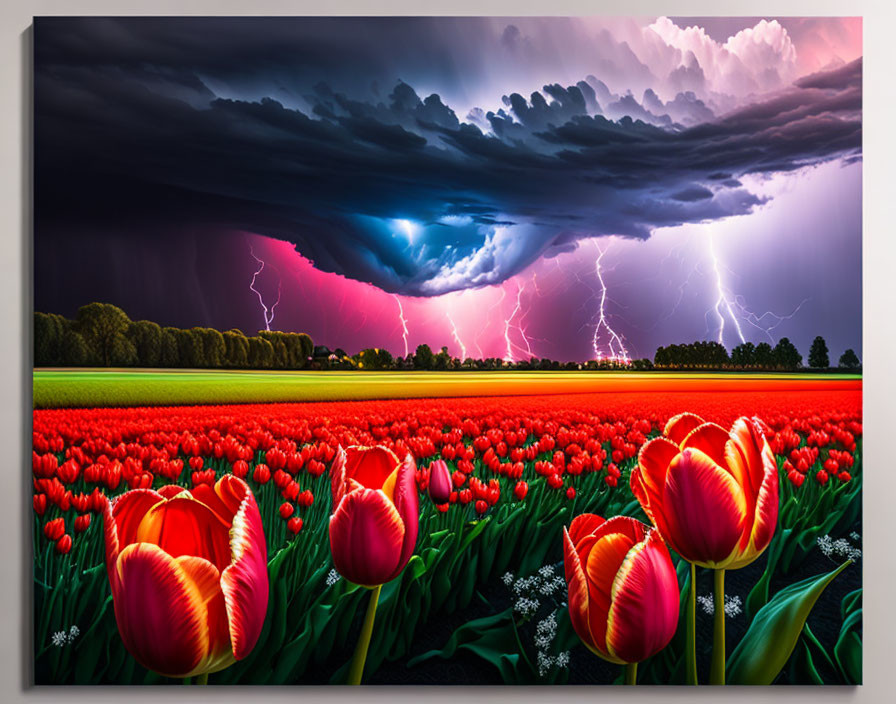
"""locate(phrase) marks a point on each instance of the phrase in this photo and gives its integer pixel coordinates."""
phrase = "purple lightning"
(508, 324)
(728, 302)
(404, 323)
(463, 348)
(268, 314)
(615, 345)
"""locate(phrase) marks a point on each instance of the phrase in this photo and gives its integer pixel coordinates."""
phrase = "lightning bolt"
(463, 349)
(615, 345)
(508, 326)
(404, 323)
(268, 314)
(722, 302)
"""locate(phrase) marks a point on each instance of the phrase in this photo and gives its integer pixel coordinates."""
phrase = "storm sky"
(568, 188)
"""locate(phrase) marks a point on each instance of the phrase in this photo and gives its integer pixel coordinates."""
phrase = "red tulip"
(54, 529)
(82, 523)
(188, 571)
(373, 527)
(711, 493)
(439, 482)
(262, 475)
(64, 544)
(481, 507)
(294, 525)
(40, 504)
(520, 490)
(286, 510)
(571, 492)
(623, 591)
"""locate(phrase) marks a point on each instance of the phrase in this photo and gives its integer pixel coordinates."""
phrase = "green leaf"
(491, 638)
(764, 650)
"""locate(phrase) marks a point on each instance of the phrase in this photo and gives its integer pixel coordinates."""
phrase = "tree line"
(102, 335)
(784, 356)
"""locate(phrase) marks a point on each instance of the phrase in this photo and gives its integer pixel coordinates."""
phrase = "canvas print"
(430, 350)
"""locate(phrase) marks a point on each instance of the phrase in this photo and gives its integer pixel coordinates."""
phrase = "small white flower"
(544, 663)
(73, 633)
(547, 571)
(733, 606)
(526, 606)
(705, 602)
(59, 638)
(507, 578)
(332, 577)
(826, 545)
(855, 537)
(562, 659)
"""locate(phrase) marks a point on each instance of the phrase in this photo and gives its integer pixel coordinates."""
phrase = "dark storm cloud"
(129, 129)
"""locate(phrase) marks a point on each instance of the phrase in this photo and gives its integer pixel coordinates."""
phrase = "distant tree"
(424, 357)
(103, 327)
(850, 360)
(369, 359)
(236, 349)
(146, 337)
(786, 355)
(214, 349)
(189, 348)
(169, 353)
(818, 354)
(74, 350)
(307, 348)
(261, 353)
(443, 359)
(49, 330)
(743, 355)
(764, 356)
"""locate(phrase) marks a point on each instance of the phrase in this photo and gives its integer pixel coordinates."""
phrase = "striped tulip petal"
(678, 427)
(159, 611)
(578, 592)
(367, 537)
(370, 466)
(185, 526)
(645, 601)
(207, 582)
(704, 508)
(710, 439)
(245, 581)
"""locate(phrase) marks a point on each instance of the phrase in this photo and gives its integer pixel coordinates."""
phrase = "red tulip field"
(451, 521)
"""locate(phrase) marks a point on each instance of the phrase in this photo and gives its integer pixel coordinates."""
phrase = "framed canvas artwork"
(447, 350)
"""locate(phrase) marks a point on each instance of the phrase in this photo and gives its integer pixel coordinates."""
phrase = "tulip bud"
(262, 474)
(82, 523)
(64, 544)
(286, 510)
(294, 525)
(40, 504)
(520, 490)
(481, 507)
(821, 477)
(571, 492)
(54, 529)
(439, 482)
(240, 469)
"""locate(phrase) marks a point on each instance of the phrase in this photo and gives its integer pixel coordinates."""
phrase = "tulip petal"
(208, 495)
(159, 611)
(169, 491)
(710, 439)
(185, 526)
(765, 515)
(370, 466)
(337, 477)
(744, 455)
(577, 592)
(366, 537)
(645, 600)
(649, 478)
(207, 581)
(604, 561)
(245, 582)
(704, 508)
(679, 426)
(582, 525)
(129, 509)
(407, 502)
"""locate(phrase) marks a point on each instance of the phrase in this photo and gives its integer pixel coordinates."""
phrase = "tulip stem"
(717, 672)
(631, 673)
(691, 655)
(356, 672)
(202, 679)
